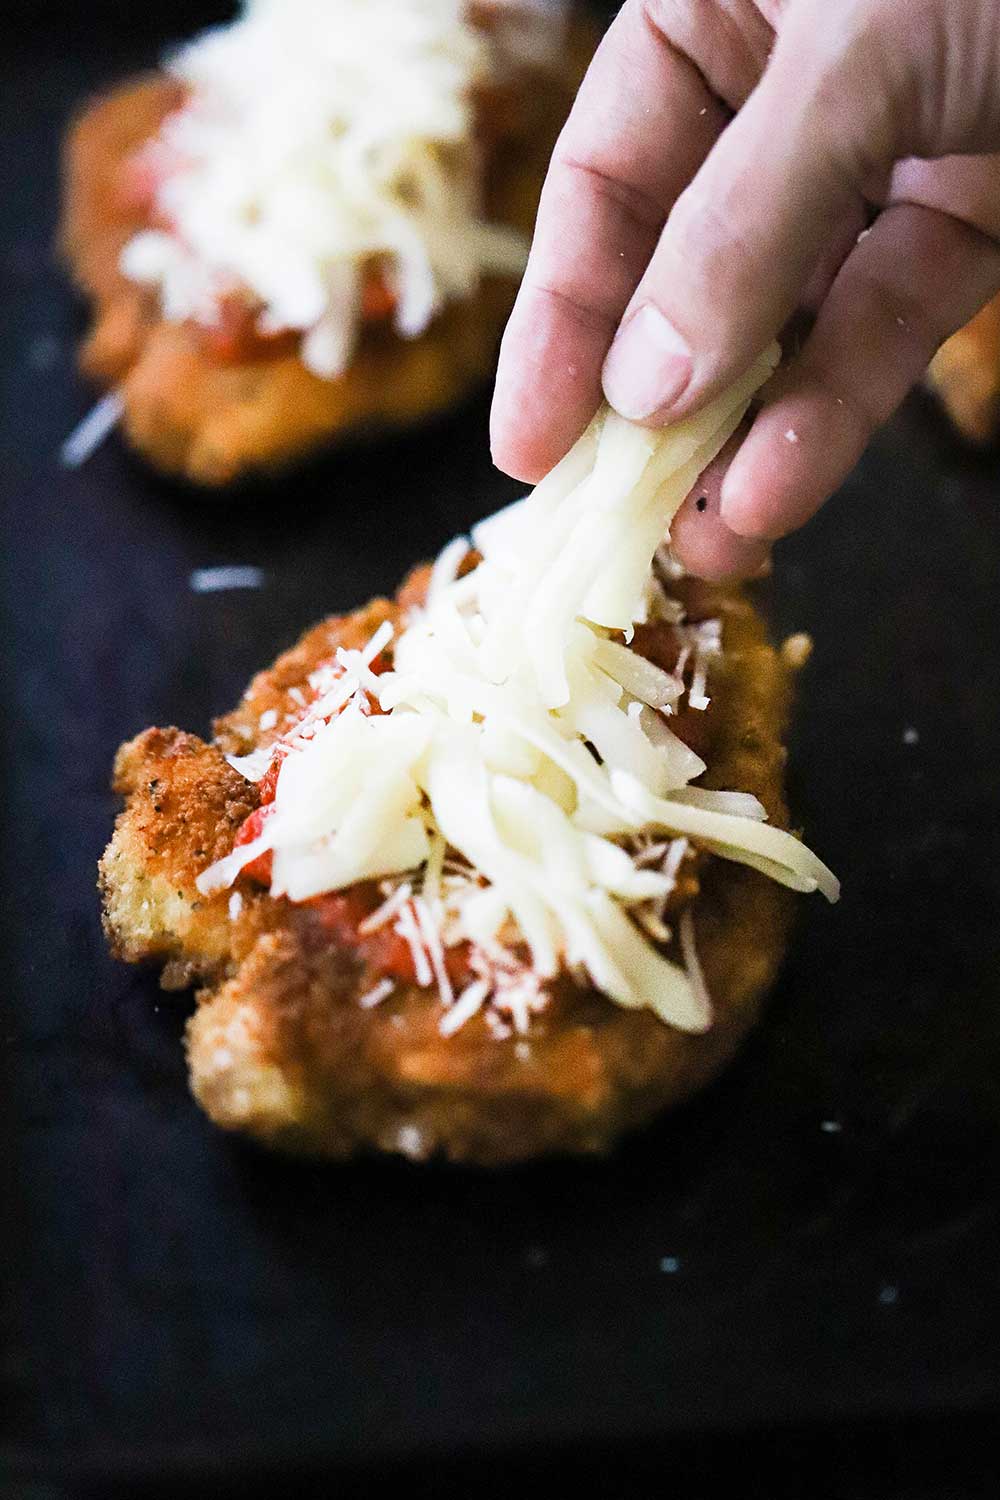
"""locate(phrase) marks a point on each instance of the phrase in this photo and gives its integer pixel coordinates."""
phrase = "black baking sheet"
(812, 1242)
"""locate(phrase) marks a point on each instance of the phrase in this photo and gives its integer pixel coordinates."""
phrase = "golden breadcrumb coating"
(280, 1047)
(183, 806)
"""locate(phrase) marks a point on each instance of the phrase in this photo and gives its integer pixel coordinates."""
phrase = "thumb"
(744, 237)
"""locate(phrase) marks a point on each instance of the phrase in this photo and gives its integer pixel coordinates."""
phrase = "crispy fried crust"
(213, 423)
(965, 373)
(279, 1047)
(183, 807)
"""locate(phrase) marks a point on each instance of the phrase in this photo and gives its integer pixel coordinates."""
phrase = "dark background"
(183, 1313)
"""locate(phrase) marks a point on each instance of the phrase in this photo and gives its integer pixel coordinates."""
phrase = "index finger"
(642, 123)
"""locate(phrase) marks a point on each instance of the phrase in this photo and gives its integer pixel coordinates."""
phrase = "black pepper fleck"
(701, 503)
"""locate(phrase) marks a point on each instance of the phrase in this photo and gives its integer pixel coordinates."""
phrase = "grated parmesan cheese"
(523, 761)
(385, 913)
(409, 930)
(376, 994)
(692, 963)
(434, 949)
(706, 640)
(468, 1004)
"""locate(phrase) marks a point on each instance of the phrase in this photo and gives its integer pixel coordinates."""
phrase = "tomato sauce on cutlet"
(343, 914)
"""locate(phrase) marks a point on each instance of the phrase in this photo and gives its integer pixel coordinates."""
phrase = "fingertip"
(743, 508)
(547, 385)
(788, 465)
(648, 367)
(511, 457)
(724, 560)
(715, 553)
(518, 446)
(699, 536)
(524, 449)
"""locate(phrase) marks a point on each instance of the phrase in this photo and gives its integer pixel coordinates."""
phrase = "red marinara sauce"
(267, 786)
(660, 644)
(233, 337)
(341, 913)
(385, 952)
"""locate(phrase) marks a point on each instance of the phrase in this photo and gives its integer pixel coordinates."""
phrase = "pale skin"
(719, 165)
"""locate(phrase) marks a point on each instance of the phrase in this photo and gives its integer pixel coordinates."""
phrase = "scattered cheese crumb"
(911, 736)
(387, 910)
(791, 436)
(465, 1007)
(406, 927)
(796, 650)
(91, 432)
(692, 963)
(410, 1141)
(268, 719)
(434, 948)
(376, 994)
(670, 1264)
(235, 906)
(221, 580)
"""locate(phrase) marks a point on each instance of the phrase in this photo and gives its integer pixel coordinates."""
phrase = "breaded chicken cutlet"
(218, 379)
(965, 375)
(283, 1046)
(495, 869)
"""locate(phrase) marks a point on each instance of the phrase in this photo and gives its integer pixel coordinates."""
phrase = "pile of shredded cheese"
(523, 787)
(318, 136)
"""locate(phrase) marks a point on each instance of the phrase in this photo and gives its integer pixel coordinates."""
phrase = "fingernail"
(648, 365)
(736, 509)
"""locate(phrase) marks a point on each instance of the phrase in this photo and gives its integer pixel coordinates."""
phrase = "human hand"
(675, 238)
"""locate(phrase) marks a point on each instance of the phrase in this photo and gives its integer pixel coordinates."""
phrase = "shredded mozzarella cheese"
(376, 994)
(519, 735)
(320, 139)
